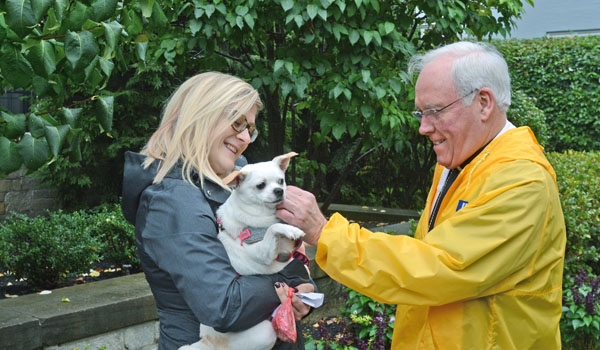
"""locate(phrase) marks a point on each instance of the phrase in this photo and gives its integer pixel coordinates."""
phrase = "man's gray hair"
(477, 65)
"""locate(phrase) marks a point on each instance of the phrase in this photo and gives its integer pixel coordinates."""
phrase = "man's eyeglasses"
(432, 112)
(242, 124)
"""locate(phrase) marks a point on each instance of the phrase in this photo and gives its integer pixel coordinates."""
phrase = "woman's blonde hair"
(197, 112)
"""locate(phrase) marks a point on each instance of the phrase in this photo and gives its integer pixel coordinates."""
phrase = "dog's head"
(261, 184)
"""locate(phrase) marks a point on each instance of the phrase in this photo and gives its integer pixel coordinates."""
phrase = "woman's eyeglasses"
(242, 124)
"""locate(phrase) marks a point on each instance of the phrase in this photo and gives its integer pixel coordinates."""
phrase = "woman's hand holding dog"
(300, 209)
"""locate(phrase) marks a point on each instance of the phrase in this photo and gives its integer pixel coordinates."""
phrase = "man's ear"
(486, 102)
(234, 179)
(284, 160)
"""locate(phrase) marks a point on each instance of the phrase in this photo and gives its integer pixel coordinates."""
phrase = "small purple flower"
(577, 296)
(581, 278)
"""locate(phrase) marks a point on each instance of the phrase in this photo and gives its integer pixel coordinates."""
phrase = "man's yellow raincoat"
(487, 276)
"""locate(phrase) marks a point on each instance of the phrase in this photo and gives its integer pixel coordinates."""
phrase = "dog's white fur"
(257, 189)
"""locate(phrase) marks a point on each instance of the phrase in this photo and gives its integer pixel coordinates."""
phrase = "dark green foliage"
(577, 174)
(97, 177)
(117, 235)
(48, 249)
(563, 75)
(524, 111)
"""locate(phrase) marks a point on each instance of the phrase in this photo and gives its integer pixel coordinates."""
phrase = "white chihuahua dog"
(255, 240)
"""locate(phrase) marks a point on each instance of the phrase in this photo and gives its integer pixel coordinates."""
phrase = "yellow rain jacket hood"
(487, 276)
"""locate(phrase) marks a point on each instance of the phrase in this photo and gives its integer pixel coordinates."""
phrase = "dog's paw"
(287, 231)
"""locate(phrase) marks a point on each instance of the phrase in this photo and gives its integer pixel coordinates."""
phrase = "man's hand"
(300, 209)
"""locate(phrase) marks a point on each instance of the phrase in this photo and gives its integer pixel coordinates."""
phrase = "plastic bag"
(284, 322)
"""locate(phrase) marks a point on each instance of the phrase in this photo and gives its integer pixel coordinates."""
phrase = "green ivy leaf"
(106, 66)
(56, 136)
(249, 19)
(287, 5)
(141, 49)
(367, 36)
(104, 108)
(33, 151)
(11, 159)
(338, 130)
(20, 16)
(70, 116)
(278, 65)
(112, 31)
(353, 36)
(37, 126)
(312, 11)
(42, 58)
(103, 9)
(14, 67)
(14, 125)
(80, 49)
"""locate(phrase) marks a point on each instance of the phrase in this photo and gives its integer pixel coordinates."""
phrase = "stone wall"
(23, 194)
(118, 313)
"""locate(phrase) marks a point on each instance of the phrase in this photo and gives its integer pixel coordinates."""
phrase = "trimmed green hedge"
(563, 75)
(577, 174)
(46, 250)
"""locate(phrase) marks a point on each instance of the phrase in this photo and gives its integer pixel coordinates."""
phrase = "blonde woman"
(171, 190)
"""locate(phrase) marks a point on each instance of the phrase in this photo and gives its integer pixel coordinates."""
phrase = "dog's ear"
(284, 160)
(234, 179)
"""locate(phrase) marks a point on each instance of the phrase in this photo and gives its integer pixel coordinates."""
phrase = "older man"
(484, 270)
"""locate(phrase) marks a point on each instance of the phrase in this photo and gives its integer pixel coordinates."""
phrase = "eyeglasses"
(242, 124)
(431, 112)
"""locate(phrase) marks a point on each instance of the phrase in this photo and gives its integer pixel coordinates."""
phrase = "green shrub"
(48, 249)
(523, 111)
(577, 174)
(45, 250)
(562, 74)
(118, 236)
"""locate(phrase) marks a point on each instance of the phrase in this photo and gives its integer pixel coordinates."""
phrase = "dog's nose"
(278, 192)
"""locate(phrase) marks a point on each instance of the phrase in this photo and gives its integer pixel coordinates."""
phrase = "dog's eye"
(261, 185)
(281, 181)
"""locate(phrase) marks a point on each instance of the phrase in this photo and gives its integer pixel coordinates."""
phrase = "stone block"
(17, 174)
(18, 331)
(18, 201)
(16, 185)
(73, 313)
(30, 183)
(112, 340)
(5, 185)
(140, 336)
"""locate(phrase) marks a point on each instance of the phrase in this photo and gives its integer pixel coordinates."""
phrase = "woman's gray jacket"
(185, 263)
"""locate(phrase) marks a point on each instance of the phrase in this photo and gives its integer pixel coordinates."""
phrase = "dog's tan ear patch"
(284, 160)
(234, 178)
